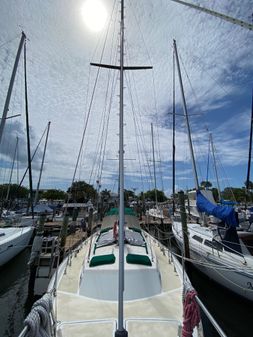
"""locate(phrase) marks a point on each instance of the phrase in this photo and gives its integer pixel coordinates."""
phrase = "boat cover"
(115, 211)
(224, 213)
(228, 202)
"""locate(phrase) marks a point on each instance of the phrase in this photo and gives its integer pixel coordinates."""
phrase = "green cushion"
(102, 259)
(115, 211)
(138, 259)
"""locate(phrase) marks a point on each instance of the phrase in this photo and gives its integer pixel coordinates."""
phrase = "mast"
(12, 166)
(250, 147)
(121, 332)
(34, 153)
(215, 167)
(42, 164)
(208, 158)
(30, 200)
(17, 162)
(9, 92)
(173, 140)
(186, 118)
(153, 151)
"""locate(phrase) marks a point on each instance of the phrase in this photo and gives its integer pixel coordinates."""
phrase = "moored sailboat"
(14, 239)
(154, 212)
(219, 251)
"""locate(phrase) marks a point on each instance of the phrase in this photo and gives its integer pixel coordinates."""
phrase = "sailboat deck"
(79, 315)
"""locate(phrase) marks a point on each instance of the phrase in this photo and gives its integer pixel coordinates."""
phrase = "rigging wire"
(7, 140)
(224, 17)
(33, 155)
(138, 129)
(11, 40)
(103, 149)
(225, 176)
(138, 122)
(89, 108)
(137, 21)
(85, 147)
(104, 122)
(8, 59)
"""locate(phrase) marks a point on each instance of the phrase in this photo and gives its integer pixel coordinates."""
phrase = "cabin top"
(99, 277)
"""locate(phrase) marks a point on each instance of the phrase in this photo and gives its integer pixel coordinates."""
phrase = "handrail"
(155, 320)
(201, 304)
(210, 317)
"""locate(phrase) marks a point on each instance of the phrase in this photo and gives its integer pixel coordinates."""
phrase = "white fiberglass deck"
(79, 315)
(142, 276)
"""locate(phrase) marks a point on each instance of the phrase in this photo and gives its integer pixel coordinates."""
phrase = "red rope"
(191, 313)
(115, 230)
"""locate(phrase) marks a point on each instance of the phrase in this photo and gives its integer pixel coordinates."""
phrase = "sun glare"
(94, 14)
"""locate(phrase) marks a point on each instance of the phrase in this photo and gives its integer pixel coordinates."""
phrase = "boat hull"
(230, 276)
(13, 242)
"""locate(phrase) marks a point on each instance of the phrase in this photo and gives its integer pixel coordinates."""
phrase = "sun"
(94, 14)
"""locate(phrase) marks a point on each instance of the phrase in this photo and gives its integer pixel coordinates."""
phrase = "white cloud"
(216, 55)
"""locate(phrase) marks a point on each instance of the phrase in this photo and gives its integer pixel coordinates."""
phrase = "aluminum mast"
(186, 118)
(13, 75)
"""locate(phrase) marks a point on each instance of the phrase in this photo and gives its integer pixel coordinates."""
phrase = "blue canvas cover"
(231, 241)
(228, 202)
(42, 208)
(225, 213)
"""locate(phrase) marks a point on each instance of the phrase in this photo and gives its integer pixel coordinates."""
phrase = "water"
(233, 313)
(14, 280)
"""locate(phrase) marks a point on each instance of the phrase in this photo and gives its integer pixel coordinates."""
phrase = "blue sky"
(217, 68)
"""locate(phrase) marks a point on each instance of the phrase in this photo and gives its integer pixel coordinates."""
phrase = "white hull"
(238, 282)
(13, 241)
(232, 271)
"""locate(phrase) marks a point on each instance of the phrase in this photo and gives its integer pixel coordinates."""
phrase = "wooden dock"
(73, 240)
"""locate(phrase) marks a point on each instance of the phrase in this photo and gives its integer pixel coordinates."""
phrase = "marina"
(15, 302)
(117, 217)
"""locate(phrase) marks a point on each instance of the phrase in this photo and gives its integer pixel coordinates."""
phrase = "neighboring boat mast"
(173, 140)
(22, 45)
(42, 164)
(186, 117)
(154, 167)
(250, 147)
(9, 92)
(30, 199)
(215, 166)
(12, 167)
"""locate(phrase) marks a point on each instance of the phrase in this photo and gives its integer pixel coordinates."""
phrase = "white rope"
(39, 322)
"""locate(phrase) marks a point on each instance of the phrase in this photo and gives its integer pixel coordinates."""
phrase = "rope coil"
(191, 313)
(40, 322)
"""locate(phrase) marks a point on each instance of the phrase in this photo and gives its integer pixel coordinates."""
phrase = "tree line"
(80, 191)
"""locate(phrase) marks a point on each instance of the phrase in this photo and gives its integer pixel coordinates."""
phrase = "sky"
(216, 64)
